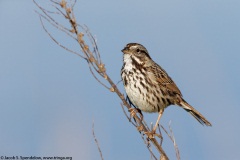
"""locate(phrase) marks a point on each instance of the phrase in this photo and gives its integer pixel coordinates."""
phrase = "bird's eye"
(138, 50)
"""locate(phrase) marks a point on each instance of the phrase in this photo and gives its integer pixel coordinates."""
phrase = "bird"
(148, 86)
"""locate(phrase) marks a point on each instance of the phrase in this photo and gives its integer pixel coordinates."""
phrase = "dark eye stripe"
(146, 53)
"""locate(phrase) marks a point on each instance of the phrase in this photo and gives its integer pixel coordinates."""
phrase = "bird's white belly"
(138, 96)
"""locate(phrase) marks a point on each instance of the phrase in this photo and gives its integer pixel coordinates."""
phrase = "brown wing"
(167, 82)
(161, 76)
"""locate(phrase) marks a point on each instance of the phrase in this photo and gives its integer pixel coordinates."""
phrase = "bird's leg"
(159, 117)
(153, 132)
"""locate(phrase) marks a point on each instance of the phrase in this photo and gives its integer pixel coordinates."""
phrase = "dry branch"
(97, 68)
(172, 138)
(96, 141)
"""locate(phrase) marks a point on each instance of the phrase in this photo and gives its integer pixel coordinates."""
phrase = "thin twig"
(172, 138)
(148, 146)
(58, 26)
(93, 41)
(89, 65)
(125, 113)
(67, 49)
(48, 15)
(174, 142)
(96, 141)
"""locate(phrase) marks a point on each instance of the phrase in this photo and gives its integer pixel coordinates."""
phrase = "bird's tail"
(197, 115)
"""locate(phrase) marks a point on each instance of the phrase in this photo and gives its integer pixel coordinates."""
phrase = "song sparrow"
(148, 86)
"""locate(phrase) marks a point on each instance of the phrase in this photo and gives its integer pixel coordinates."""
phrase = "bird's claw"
(152, 134)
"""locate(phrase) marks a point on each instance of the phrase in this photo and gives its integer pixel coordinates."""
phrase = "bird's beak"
(125, 49)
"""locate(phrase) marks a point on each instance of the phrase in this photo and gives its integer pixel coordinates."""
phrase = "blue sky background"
(48, 98)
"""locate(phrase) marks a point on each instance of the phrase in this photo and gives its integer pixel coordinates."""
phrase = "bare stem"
(96, 66)
(96, 141)
(172, 138)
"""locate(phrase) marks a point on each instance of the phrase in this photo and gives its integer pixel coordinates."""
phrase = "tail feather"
(197, 115)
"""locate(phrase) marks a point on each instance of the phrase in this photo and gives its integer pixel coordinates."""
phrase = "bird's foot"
(152, 134)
